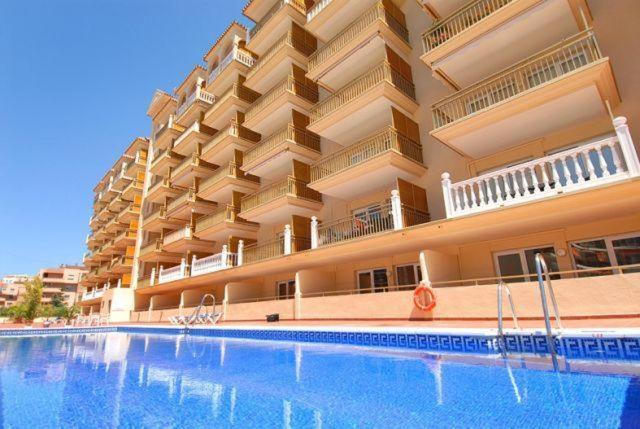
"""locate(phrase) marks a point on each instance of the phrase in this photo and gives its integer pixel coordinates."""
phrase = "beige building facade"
(303, 166)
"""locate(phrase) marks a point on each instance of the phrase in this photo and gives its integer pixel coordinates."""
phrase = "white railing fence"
(235, 54)
(210, 264)
(173, 273)
(198, 94)
(578, 168)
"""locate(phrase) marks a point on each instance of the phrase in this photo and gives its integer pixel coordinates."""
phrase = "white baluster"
(602, 162)
(576, 162)
(617, 163)
(626, 146)
(287, 239)
(590, 167)
(225, 256)
(396, 210)
(240, 252)
(449, 207)
(314, 231)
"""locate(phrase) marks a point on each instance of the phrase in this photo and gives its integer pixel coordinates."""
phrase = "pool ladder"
(196, 313)
(543, 277)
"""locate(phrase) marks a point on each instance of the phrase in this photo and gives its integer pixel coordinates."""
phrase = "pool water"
(166, 381)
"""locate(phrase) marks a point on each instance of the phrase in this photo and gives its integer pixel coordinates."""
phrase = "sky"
(76, 78)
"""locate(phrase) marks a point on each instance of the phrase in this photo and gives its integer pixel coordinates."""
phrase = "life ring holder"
(417, 297)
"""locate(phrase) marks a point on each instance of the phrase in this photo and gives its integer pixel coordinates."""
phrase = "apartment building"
(11, 291)
(62, 281)
(113, 239)
(307, 162)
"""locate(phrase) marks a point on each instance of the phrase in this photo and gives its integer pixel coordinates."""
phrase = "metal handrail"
(502, 286)
(543, 271)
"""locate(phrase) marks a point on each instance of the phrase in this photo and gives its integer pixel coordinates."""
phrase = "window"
(408, 275)
(519, 264)
(373, 280)
(606, 252)
(286, 289)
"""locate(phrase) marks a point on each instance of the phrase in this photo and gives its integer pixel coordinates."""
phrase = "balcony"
(272, 157)
(368, 165)
(130, 213)
(190, 168)
(234, 65)
(197, 134)
(123, 177)
(101, 234)
(167, 132)
(236, 99)
(174, 273)
(274, 248)
(224, 223)
(117, 204)
(163, 160)
(457, 47)
(93, 294)
(122, 264)
(185, 205)
(227, 179)
(570, 171)
(125, 238)
(277, 202)
(222, 147)
(133, 189)
(213, 263)
(271, 109)
(183, 240)
(196, 103)
(361, 45)
(353, 111)
(275, 63)
(565, 84)
(154, 252)
(272, 23)
(114, 226)
(158, 220)
(163, 189)
(105, 215)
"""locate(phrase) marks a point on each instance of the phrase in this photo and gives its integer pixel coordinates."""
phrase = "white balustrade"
(594, 164)
(235, 54)
(174, 273)
(198, 94)
(177, 235)
(317, 8)
(210, 264)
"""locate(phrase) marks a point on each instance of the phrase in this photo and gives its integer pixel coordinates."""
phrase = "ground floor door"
(374, 280)
(522, 263)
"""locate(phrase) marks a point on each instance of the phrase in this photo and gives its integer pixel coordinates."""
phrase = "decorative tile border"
(602, 347)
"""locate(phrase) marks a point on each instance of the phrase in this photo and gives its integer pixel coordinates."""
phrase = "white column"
(224, 255)
(314, 232)
(423, 269)
(446, 193)
(183, 267)
(181, 303)
(119, 285)
(153, 276)
(626, 145)
(193, 263)
(297, 297)
(396, 210)
(240, 251)
(287, 239)
(225, 301)
(160, 273)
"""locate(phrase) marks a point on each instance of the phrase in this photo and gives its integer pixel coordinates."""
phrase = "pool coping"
(603, 344)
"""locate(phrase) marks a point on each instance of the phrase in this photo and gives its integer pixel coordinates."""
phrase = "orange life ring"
(417, 295)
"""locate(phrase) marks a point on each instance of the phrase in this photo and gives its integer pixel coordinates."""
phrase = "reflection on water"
(127, 380)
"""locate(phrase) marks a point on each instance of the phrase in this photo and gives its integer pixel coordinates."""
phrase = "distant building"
(61, 281)
(15, 278)
(11, 292)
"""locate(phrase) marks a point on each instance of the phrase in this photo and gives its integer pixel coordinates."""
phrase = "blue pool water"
(163, 381)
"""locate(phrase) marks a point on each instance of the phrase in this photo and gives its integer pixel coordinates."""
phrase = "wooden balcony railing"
(290, 186)
(289, 133)
(388, 140)
(287, 39)
(296, 4)
(459, 21)
(377, 12)
(291, 85)
(559, 60)
(379, 74)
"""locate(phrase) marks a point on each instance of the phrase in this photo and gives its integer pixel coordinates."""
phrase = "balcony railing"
(213, 263)
(177, 235)
(174, 273)
(379, 74)
(290, 133)
(287, 39)
(553, 63)
(134, 185)
(288, 187)
(317, 8)
(239, 91)
(127, 233)
(291, 85)
(151, 247)
(357, 225)
(187, 195)
(228, 213)
(95, 293)
(233, 130)
(296, 4)
(574, 169)
(459, 21)
(233, 170)
(124, 261)
(198, 94)
(388, 140)
(377, 12)
(258, 252)
(236, 54)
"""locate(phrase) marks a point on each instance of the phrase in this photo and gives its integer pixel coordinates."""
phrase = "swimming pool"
(125, 379)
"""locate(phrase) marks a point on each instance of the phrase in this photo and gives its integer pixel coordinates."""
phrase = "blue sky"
(76, 77)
